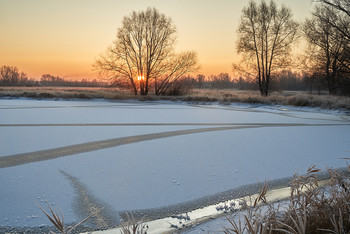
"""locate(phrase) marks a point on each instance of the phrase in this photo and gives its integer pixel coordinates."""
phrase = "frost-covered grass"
(59, 92)
(290, 98)
(309, 209)
(226, 96)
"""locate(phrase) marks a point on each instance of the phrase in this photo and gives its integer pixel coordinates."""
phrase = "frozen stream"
(137, 155)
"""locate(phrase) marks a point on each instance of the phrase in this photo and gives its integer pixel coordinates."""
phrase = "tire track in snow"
(24, 158)
(135, 124)
(165, 124)
(42, 155)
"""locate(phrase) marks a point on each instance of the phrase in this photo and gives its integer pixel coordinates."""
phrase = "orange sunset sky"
(64, 37)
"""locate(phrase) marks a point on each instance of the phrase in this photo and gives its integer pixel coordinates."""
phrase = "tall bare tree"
(327, 47)
(143, 52)
(265, 37)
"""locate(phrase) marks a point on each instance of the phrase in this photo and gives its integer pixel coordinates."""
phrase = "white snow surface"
(160, 172)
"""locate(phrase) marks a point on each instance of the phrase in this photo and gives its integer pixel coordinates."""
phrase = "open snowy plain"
(156, 159)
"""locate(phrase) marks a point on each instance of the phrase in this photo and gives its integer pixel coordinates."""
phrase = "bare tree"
(342, 8)
(9, 75)
(327, 47)
(341, 24)
(265, 37)
(144, 52)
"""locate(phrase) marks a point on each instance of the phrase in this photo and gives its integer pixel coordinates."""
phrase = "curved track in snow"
(42, 155)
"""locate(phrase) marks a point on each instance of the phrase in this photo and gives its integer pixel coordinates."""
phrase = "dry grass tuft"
(310, 209)
(128, 226)
(254, 221)
(133, 226)
(57, 219)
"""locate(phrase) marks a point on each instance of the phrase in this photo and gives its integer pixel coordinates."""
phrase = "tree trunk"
(146, 87)
(332, 88)
(133, 87)
(264, 87)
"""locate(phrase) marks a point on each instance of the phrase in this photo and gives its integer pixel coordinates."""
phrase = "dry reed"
(57, 219)
(310, 209)
(133, 226)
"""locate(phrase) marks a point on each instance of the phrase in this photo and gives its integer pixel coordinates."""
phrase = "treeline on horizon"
(11, 76)
(285, 80)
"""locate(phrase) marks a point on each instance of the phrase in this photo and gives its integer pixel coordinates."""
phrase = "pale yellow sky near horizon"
(64, 37)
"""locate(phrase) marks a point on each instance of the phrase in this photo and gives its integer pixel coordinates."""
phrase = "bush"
(179, 88)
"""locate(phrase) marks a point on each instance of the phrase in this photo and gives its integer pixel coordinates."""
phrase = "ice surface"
(158, 172)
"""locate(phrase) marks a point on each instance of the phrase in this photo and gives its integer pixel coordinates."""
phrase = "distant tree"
(48, 79)
(200, 80)
(222, 81)
(328, 49)
(23, 77)
(244, 84)
(265, 37)
(289, 80)
(143, 52)
(10, 75)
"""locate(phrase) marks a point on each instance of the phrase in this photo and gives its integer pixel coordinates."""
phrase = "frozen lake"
(78, 155)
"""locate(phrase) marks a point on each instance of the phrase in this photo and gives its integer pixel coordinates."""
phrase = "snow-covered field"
(206, 149)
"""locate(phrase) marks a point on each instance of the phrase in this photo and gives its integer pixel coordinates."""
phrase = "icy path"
(153, 157)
